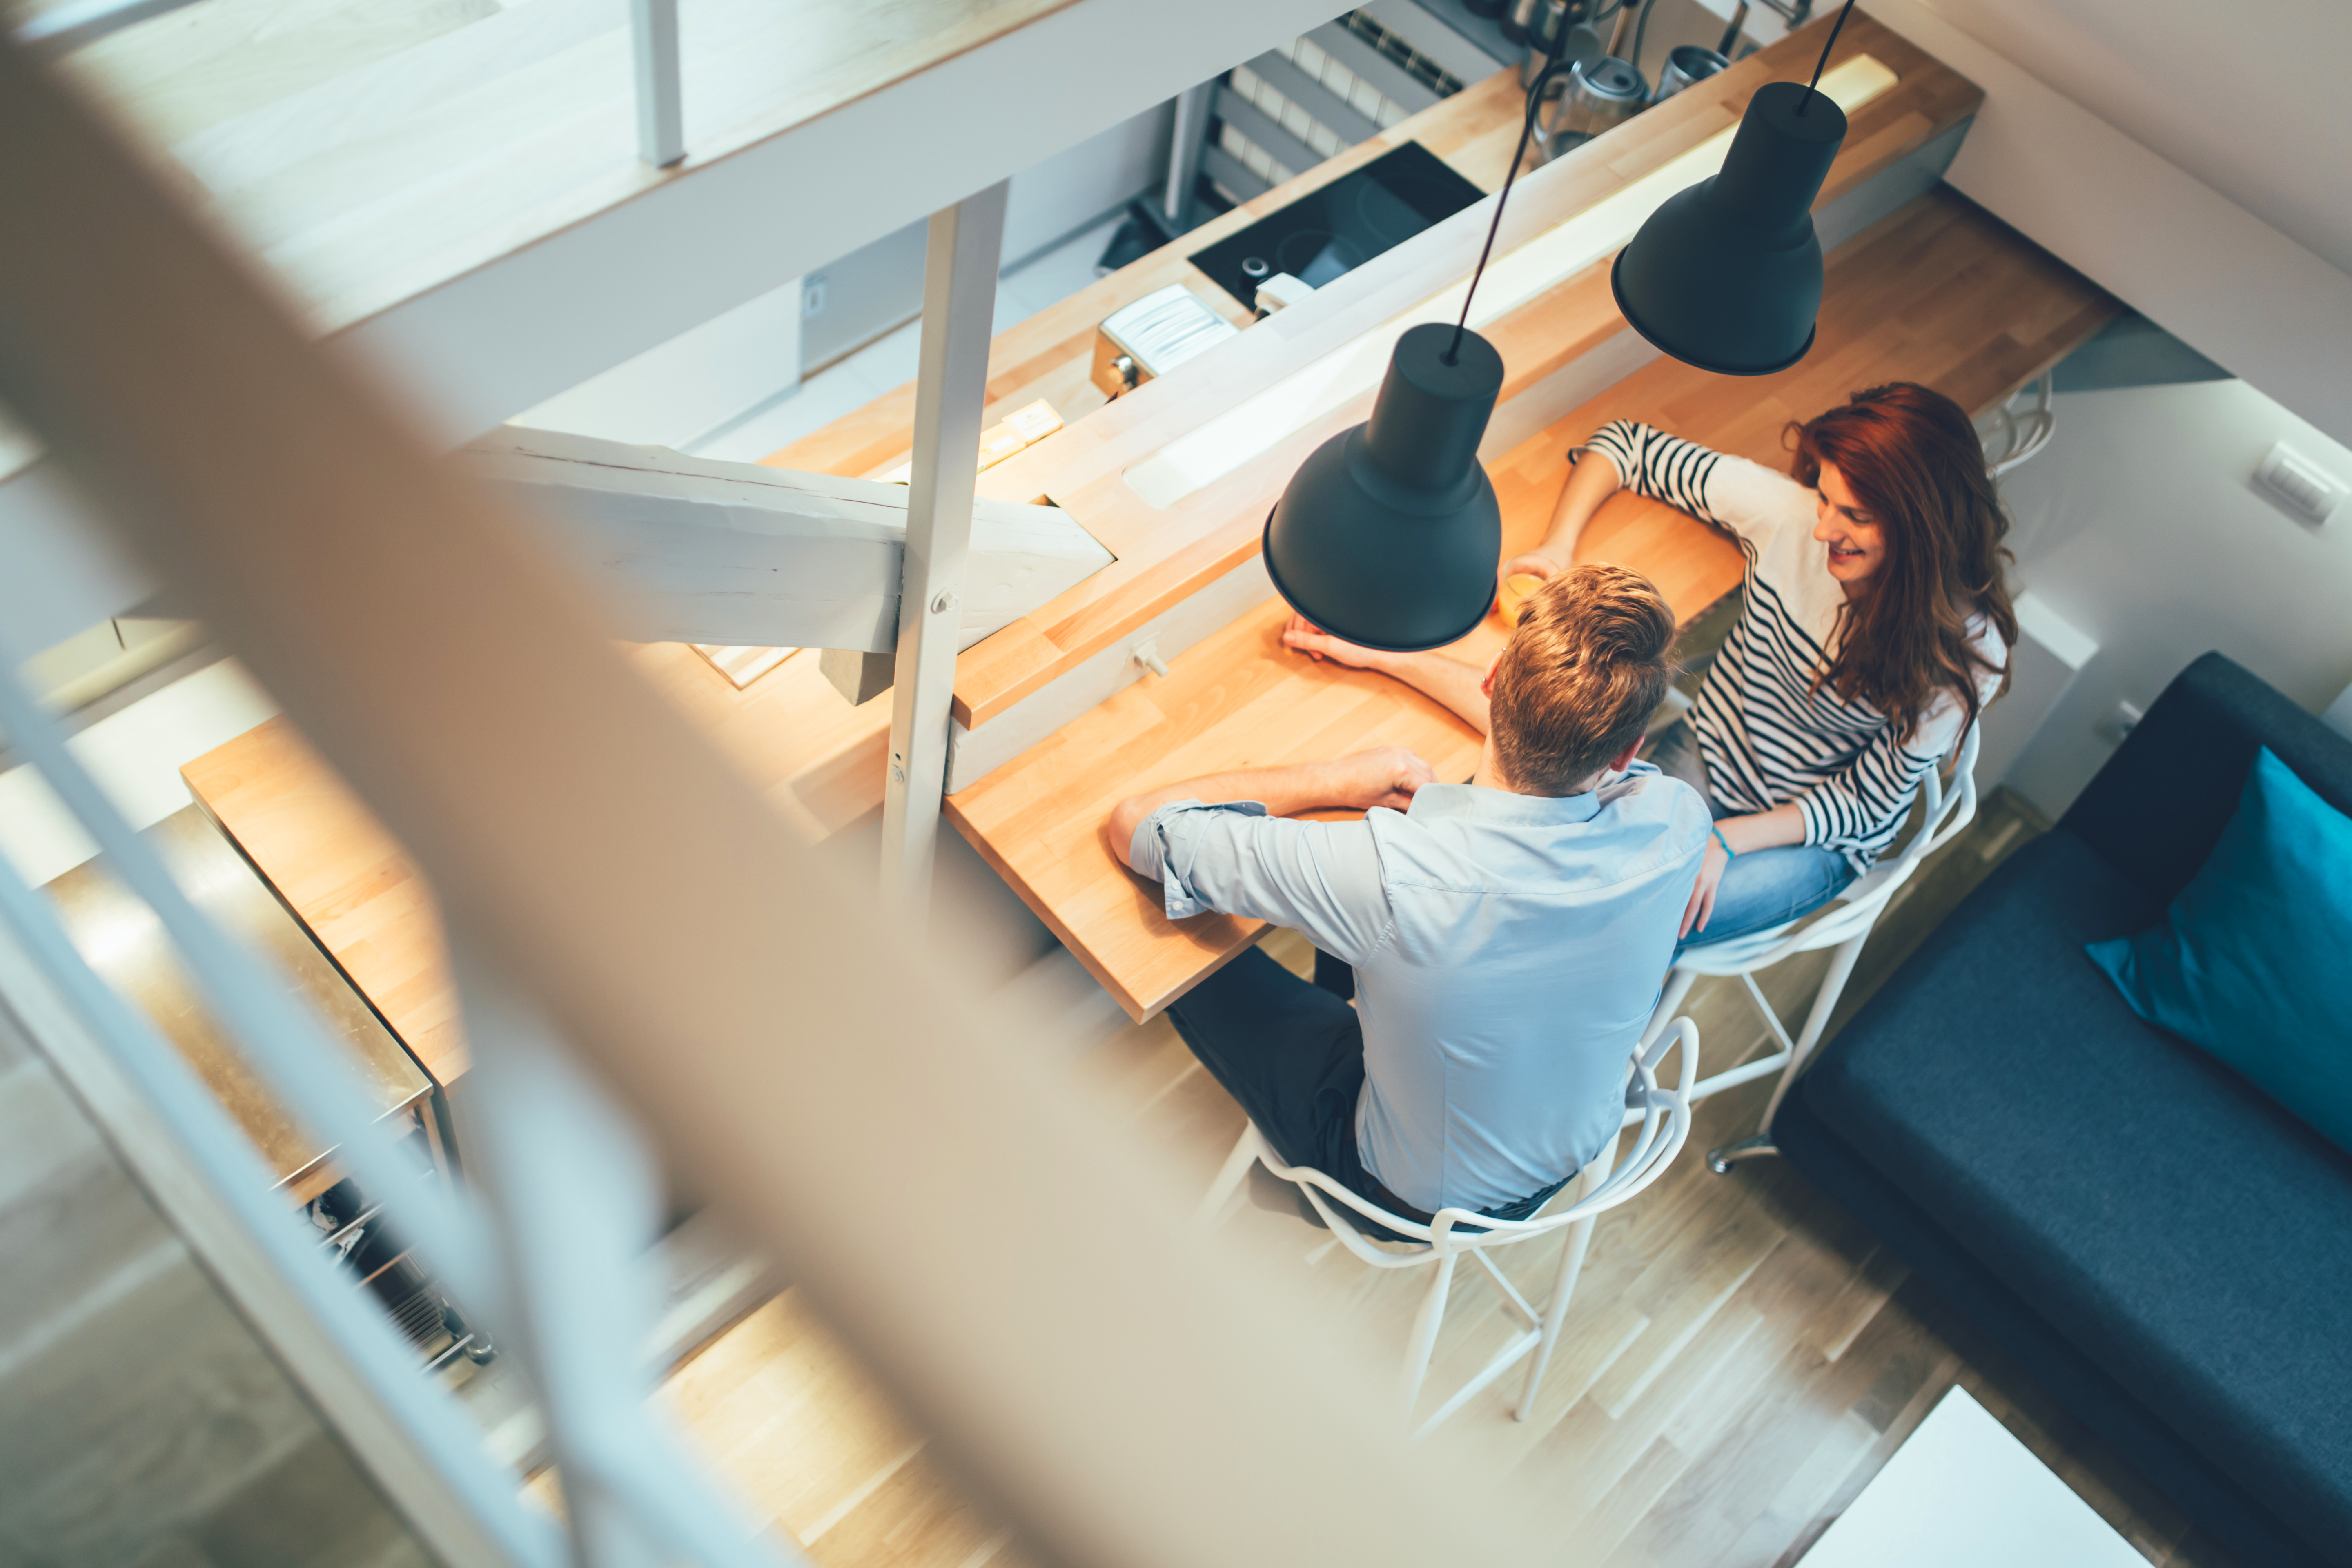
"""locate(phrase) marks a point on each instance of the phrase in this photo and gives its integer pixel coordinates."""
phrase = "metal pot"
(1686, 63)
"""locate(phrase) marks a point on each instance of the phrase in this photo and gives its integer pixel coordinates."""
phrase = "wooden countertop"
(1166, 554)
(1940, 293)
(363, 899)
(1049, 355)
(818, 761)
(120, 938)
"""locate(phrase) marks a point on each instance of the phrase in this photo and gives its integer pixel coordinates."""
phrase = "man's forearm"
(1284, 792)
(1383, 777)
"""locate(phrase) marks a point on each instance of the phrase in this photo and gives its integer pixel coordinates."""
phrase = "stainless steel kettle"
(1601, 93)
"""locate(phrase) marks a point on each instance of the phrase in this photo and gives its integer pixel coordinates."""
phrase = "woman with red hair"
(1876, 625)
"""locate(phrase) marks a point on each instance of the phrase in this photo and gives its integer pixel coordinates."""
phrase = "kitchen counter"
(1054, 721)
(120, 939)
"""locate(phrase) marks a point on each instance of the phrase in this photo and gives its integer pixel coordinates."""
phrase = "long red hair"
(1914, 462)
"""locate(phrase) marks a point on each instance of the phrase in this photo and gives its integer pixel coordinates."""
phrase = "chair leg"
(1423, 1342)
(1563, 1284)
(1670, 1001)
(1228, 1180)
(1817, 1021)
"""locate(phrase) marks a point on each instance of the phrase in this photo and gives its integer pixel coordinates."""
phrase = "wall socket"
(813, 294)
(2298, 486)
(2118, 726)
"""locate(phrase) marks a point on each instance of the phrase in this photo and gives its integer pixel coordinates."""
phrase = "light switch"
(2298, 486)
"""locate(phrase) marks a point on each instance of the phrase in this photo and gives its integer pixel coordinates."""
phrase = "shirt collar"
(1476, 803)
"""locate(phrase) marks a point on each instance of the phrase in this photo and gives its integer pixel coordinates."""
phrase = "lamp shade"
(1726, 275)
(1389, 533)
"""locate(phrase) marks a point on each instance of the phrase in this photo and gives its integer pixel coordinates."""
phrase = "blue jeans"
(1763, 887)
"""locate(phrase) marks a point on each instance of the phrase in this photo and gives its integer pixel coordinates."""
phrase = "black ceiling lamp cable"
(1640, 31)
(1726, 275)
(1527, 130)
(1813, 88)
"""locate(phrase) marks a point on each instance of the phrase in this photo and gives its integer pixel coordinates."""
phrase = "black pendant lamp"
(1388, 534)
(1726, 275)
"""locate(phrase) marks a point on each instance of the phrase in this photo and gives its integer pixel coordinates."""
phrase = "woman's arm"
(1461, 687)
(1591, 480)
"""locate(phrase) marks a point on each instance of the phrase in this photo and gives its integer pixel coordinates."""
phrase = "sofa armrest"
(2158, 807)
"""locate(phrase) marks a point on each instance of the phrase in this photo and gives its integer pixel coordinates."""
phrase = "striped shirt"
(1766, 733)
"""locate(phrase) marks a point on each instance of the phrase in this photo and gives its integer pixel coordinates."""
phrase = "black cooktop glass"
(1342, 225)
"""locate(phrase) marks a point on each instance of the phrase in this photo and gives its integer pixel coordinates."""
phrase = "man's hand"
(1386, 775)
(1316, 643)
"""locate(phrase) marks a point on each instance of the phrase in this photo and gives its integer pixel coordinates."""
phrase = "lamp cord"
(1814, 85)
(1527, 129)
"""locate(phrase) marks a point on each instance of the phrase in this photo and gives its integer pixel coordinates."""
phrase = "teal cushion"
(2254, 960)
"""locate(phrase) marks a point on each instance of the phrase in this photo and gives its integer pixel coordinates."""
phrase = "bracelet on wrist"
(1729, 852)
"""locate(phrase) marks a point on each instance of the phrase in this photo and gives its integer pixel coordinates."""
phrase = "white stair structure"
(702, 550)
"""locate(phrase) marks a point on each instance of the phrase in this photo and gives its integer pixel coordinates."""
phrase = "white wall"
(1053, 198)
(691, 385)
(2140, 525)
(2194, 258)
(703, 380)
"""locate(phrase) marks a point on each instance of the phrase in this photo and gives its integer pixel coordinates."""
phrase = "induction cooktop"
(1341, 226)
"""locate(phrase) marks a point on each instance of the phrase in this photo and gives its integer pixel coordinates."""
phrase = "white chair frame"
(1845, 924)
(1662, 1118)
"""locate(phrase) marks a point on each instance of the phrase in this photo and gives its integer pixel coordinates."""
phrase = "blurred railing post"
(661, 95)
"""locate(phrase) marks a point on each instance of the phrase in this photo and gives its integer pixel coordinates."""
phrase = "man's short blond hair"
(1579, 678)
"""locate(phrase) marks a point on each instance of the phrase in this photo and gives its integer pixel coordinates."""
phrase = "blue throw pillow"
(2255, 961)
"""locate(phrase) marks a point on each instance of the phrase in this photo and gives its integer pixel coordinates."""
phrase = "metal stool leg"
(1825, 1001)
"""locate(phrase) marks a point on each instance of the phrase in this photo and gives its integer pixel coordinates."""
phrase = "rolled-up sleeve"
(1319, 878)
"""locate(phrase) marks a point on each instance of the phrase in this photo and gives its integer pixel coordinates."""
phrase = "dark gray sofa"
(2159, 1243)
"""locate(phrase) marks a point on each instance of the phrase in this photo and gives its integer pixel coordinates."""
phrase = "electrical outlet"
(2298, 486)
(813, 294)
(2118, 725)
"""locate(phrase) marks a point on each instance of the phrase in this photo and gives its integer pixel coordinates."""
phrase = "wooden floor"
(1741, 1359)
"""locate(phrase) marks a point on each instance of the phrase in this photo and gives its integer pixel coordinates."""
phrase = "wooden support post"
(959, 311)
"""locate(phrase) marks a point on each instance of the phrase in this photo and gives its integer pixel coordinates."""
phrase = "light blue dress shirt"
(1507, 950)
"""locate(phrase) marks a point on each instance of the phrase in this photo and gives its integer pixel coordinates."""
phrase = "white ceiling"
(2252, 97)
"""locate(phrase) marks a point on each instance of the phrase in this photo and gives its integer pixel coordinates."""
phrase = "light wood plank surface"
(1741, 1360)
(1939, 293)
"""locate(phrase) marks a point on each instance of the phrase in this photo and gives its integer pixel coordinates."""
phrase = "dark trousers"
(1293, 1054)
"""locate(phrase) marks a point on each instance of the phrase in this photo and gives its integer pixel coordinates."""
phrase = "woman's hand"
(1386, 775)
(1701, 907)
(1316, 643)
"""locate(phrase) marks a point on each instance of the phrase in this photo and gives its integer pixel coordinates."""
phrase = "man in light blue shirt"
(1508, 936)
